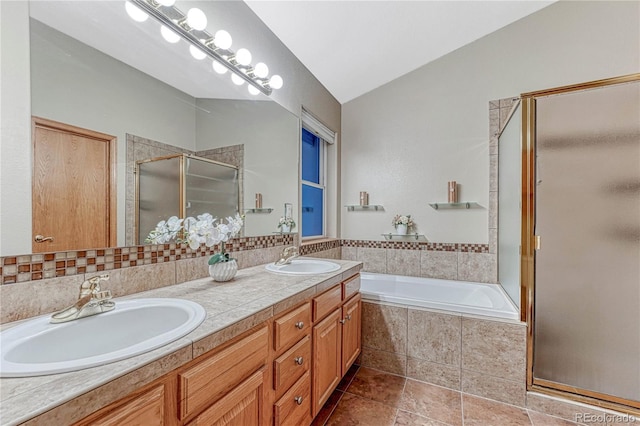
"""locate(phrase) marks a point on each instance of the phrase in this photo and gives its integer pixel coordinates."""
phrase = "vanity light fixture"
(192, 28)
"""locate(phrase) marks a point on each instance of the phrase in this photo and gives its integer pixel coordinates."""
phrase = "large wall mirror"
(93, 67)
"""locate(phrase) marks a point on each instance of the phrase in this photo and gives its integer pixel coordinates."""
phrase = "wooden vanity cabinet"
(291, 367)
(150, 405)
(279, 373)
(336, 338)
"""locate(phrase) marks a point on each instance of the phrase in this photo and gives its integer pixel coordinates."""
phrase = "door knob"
(41, 238)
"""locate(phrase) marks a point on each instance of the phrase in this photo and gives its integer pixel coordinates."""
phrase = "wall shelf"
(405, 237)
(261, 210)
(449, 206)
(356, 207)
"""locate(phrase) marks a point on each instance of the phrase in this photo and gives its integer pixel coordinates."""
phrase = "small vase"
(401, 229)
(285, 228)
(223, 271)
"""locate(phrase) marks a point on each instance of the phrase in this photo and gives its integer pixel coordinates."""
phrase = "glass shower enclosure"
(183, 185)
(584, 214)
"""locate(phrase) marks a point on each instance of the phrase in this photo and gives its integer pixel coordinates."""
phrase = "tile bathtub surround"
(483, 357)
(465, 262)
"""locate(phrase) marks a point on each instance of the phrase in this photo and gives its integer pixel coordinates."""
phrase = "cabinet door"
(145, 409)
(240, 407)
(327, 360)
(351, 334)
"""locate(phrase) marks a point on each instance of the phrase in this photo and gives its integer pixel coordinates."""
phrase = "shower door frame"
(530, 242)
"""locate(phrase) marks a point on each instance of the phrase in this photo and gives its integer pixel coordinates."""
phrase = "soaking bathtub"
(454, 296)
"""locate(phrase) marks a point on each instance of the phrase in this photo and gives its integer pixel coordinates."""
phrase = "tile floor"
(370, 397)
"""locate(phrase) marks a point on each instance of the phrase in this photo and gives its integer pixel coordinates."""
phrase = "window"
(315, 142)
(313, 185)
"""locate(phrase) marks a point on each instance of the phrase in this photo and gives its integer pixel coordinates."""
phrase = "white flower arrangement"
(197, 231)
(403, 220)
(286, 221)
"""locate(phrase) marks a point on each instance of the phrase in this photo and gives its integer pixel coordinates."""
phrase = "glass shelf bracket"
(405, 237)
(262, 210)
(449, 206)
(355, 207)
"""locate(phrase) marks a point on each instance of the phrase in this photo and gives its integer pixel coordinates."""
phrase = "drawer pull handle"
(299, 360)
(300, 325)
(298, 400)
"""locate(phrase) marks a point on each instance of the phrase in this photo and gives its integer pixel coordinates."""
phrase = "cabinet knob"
(299, 360)
(348, 317)
(300, 325)
(342, 321)
(298, 400)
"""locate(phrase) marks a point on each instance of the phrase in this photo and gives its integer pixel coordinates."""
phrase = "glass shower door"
(587, 268)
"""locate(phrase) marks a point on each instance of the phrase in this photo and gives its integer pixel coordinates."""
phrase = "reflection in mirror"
(92, 67)
(183, 186)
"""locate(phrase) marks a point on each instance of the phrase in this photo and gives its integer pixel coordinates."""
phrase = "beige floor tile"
(431, 401)
(404, 418)
(484, 412)
(539, 419)
(378, 386)
(353, 410)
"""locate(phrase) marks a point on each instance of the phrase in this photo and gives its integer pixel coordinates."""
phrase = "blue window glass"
(310, 157)
(312, 210)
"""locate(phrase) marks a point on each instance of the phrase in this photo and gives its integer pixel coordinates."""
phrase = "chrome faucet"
(92, 301)
(287, 255)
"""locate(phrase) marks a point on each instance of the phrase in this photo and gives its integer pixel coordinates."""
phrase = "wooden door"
(351, 317)
(327, 364)
(73, 187)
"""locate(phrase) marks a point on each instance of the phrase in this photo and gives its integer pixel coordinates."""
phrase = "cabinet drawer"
(295, 405)
(326, 302)
(210, 379)
(350, 287)
(292, 364)
(291, 327)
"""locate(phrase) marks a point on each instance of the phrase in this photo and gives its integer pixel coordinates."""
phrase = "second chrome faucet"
(287, 255)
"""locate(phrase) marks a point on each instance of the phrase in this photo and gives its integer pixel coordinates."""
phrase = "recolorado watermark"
(606, 418)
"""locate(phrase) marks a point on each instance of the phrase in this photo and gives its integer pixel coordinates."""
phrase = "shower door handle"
(536, 242)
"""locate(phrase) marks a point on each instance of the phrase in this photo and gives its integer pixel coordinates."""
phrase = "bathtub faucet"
(287, 255)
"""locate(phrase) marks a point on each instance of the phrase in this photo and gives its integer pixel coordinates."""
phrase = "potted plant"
(286, 224)
(402, 223)
(202, 230)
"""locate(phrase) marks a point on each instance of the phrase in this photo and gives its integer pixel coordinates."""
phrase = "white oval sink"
(303, 267)
(37, 347)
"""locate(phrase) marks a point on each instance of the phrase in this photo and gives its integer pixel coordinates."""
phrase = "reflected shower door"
(587, 270)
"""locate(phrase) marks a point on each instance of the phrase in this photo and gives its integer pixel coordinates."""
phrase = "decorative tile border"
(407, 245)
(16, 269)
(310, 248)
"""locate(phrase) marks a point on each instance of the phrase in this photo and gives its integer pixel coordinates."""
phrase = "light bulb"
(135, 12)
(196, 19)
(218, 67)
(261, 70)
(237, 79)
(167, 3)
(222, 39)
(243, 56)
(253, 90)
(197, 53)
(276, 82)
(169, 35)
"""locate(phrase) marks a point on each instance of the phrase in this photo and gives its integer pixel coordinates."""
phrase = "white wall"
(403, 141)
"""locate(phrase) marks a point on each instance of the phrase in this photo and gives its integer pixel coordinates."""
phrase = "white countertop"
(233, 307)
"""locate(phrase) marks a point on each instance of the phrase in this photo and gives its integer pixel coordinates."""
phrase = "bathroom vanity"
(270, 352)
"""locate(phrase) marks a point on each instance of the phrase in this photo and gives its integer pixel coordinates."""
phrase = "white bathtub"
(455, 296)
